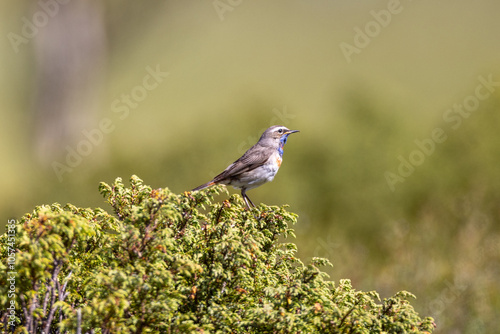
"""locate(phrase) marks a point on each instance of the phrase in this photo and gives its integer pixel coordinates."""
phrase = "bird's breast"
(279, 159)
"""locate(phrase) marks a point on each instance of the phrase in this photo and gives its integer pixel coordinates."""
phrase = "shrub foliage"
(168, 263)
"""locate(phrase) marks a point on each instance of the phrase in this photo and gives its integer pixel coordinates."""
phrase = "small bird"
(257, 166)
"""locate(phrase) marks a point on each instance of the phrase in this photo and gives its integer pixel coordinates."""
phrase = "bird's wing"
(255, 157)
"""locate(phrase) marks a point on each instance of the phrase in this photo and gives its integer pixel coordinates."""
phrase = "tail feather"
(203, 186)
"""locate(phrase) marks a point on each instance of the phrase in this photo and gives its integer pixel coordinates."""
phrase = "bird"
(258, 165)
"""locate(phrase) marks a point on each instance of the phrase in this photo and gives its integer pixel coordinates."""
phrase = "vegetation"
(181, 264)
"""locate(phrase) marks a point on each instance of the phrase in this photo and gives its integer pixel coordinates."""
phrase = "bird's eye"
(280, 131)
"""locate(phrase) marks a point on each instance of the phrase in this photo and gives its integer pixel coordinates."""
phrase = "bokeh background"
(174, 91)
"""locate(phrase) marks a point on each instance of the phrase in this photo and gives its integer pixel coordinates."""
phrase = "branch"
(55, 273)
(78, 320)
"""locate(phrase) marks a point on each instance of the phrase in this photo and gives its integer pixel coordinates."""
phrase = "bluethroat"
(257, 166)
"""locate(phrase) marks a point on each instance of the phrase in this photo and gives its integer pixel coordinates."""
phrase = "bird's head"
(276, 135)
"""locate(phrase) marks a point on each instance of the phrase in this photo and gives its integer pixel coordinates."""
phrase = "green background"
(237, 67)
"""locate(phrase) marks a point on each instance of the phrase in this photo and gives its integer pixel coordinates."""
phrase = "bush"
(169, 263)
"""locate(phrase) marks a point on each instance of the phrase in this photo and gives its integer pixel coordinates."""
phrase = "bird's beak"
(291, 131)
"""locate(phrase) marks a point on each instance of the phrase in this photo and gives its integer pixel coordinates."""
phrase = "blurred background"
(394, 174)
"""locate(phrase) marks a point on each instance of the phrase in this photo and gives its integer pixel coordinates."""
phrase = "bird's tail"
(203, 186)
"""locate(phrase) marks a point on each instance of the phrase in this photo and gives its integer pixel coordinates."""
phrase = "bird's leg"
(246, 199)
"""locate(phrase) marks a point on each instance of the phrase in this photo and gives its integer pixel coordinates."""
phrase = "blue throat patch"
(282, 143)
